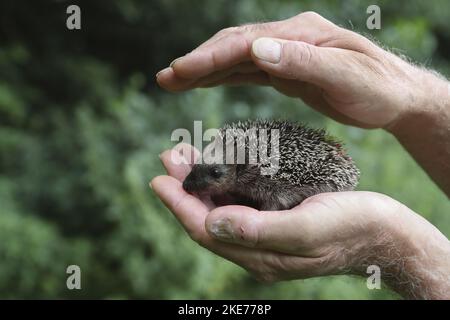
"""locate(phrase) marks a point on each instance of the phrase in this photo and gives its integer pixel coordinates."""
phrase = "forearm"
(426, 261)
(424, 131)
(413, 256)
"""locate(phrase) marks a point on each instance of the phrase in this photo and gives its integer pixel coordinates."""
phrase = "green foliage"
(82, 124)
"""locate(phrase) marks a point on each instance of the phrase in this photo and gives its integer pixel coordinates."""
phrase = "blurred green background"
(82, 123)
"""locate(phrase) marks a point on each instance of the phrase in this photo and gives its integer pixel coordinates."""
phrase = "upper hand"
(338, 72)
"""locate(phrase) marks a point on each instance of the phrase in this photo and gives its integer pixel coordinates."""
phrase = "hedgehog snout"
(189, 185)
(193, 184)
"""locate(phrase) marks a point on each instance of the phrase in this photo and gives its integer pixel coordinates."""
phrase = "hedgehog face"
(210, 179)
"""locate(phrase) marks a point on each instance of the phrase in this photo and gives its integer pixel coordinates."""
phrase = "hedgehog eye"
(216, 173)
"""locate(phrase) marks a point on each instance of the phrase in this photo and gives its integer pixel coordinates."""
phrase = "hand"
(338, 72)
(334, 70)
(330, 233)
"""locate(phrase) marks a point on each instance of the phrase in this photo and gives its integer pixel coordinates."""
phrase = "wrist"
(419, 256)
(412, 255)
(427, 102)
(423, 128)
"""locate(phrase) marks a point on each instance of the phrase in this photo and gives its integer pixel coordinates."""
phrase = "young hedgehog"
(307, 162)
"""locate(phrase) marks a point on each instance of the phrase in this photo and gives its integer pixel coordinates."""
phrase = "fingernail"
(267, 49)
(150, 185)
(222, 229)
(173, 62)
(162, 71)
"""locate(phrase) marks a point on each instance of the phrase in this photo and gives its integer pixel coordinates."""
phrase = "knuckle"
(241, 30)
(239, 39)
(247, 28)
(252, 28)
(225, 31)
(309, 15)
(313, 18)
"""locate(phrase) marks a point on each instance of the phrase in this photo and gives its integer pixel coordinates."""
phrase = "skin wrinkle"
(305, 58)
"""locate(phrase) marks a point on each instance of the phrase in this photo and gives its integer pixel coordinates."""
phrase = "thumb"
(274, 230)
(297, 60)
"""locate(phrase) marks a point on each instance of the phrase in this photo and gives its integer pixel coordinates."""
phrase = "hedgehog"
(270, 165)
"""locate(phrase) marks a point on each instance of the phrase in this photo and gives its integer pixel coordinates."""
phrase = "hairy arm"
(413, 256)
(424, 130)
